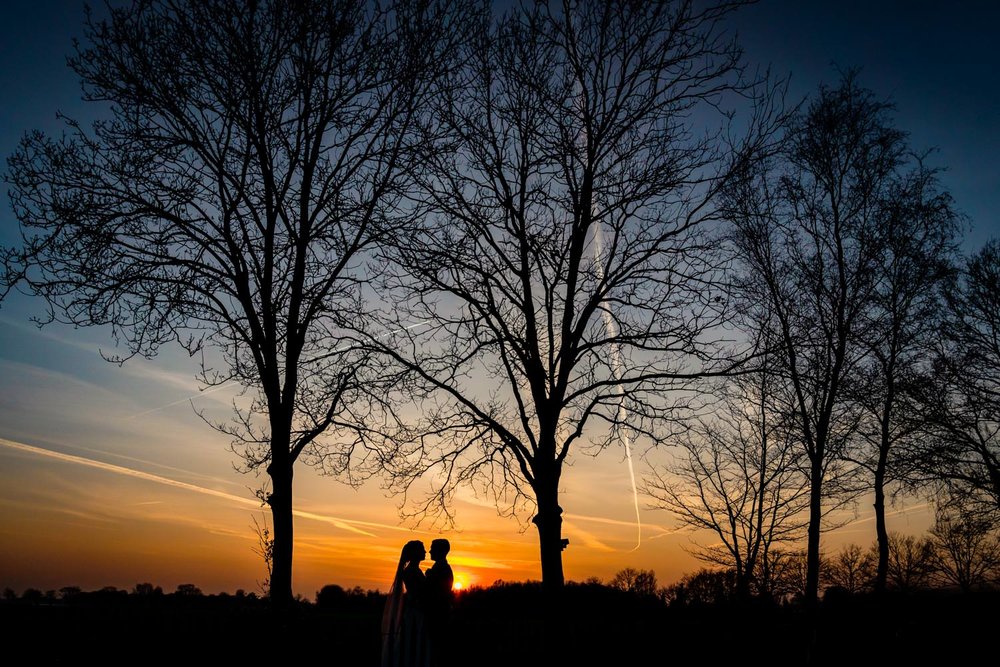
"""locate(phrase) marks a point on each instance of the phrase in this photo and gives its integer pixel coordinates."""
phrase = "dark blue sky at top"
(938, 61)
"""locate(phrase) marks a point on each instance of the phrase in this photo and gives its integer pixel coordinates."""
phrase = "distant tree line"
(331, 596)
(959, 553)
(141, 590)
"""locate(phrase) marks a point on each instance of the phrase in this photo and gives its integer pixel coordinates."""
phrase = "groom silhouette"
(438, 597)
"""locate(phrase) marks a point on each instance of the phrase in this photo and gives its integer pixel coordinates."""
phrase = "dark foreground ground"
(508, 625)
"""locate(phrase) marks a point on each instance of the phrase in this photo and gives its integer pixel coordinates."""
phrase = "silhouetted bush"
(639, 582)
(334, 598)
(704, 587)
(331, 596)
(69, 592)
(187, 590)
(32, 595)
(146, 589)
(853, 569)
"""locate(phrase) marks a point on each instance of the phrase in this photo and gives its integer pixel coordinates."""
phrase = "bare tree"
(252, 157)
(918, 230)
(564, 272)
(704, 587)
(789, 574)
(965, 550)
(265, 549)
(630, 580)
(739, 477)
(807, 234)
(853, 569)
(959, 400)
(910, 562)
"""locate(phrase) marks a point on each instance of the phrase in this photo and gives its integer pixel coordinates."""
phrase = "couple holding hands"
(414, 619)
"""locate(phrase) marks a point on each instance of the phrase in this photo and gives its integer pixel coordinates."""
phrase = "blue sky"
(938, 61)
(59, 517)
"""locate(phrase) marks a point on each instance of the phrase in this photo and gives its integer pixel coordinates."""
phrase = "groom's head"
(440, 549)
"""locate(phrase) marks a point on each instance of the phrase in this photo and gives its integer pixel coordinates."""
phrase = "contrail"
(905, 510)
(616, 361)
(613, 522)
(349, 525)
(186, 399)
(231, 383)
(616, 368)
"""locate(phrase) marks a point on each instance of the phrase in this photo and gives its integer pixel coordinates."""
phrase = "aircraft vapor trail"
(616, 368)
(899, 512)
(186, 399)
(350, 525)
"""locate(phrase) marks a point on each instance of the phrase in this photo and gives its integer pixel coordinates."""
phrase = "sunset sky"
(107, 476)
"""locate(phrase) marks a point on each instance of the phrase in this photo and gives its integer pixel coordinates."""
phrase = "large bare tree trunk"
(280, 500)
(548, 519)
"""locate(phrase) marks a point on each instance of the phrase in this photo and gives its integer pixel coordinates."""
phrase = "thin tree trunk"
(881, 467)
(882, 535)
(815, 518)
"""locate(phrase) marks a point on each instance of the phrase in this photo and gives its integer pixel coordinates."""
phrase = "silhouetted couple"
(414, 621)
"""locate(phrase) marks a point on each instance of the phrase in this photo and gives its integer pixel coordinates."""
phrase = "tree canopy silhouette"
(807, 229)
(564, 267)
(917, 235)
(251, 156)
(738, 476)
(959, 400)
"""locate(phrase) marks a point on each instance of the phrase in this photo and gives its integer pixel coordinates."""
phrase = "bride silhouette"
(404, 632)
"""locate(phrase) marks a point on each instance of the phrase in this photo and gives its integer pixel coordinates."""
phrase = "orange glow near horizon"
(72, 520)
(108, 477)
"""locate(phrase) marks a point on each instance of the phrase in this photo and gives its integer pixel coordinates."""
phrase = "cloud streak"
(349, 525)
(869, 519)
